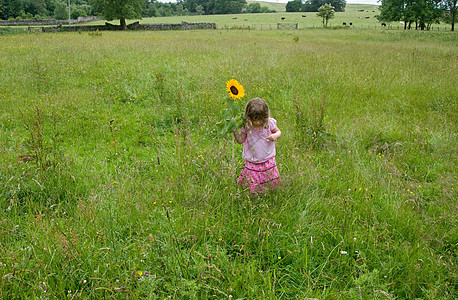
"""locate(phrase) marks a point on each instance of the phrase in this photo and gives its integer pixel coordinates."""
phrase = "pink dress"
(260, 169)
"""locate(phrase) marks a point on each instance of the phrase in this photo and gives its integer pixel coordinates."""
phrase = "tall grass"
(114, 183)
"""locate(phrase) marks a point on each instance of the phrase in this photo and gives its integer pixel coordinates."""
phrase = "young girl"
(258, 138)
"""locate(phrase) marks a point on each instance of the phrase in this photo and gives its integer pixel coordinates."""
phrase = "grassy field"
(360, 20)
(279, 7)
(114, 184)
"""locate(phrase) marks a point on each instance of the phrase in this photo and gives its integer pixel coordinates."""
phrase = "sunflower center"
(234, 90)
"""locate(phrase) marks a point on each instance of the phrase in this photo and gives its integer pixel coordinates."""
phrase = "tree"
(450, 12)
(254, 8)
(3, 12)
(228, 6)
(200, 10)
(60, 11)
(15, 8)
(326, 11)
(294, 6)
(119, 9)
(421, 12)
(313, 5)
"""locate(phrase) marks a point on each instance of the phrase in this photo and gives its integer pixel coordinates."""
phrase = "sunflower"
(235, 89)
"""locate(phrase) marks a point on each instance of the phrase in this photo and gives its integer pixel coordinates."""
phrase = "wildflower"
(140, 273)
(235, 89)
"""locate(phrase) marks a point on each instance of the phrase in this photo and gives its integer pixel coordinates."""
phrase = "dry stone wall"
(133, 26)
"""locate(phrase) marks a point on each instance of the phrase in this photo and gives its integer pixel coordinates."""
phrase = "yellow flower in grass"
(235, 89)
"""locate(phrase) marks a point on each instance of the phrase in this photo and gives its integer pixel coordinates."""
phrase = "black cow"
(282, 18)
(344, 24)
(384, 24)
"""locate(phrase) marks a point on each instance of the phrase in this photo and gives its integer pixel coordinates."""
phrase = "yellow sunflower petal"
(235, 89)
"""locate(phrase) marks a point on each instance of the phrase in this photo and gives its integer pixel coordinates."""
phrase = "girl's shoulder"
(272, 123)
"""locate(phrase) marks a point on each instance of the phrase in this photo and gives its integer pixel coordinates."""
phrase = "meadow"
(115, 184)
(362, 16)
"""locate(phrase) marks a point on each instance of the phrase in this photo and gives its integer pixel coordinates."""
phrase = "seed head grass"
(130, 193)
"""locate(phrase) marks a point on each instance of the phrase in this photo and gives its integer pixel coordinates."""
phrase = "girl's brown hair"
(257, 110)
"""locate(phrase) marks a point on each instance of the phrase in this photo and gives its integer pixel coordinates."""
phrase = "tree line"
(418, 14)
(314, 5)
(58, 9)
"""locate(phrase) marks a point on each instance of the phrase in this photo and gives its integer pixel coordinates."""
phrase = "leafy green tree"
(60, 11)
(200, 10)
(51, 6)
(119, 9)
(326, 11)
(15, 8)
(180, 10)
(449, 7)
(421, 12)
(294, 6)
(229, 6)
(77, 11)
(254, 8)
(314, 5)
(3, 14)
(37, 7)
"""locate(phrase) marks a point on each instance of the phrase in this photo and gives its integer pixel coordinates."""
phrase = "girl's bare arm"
(239, 136)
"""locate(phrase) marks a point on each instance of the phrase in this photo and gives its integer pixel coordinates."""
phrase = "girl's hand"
(274, 136)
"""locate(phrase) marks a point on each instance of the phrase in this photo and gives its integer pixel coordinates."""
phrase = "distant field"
(360, 20)
(279, 7)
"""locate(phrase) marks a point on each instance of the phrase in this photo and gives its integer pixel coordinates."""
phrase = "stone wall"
(133, 26)
(181, 26)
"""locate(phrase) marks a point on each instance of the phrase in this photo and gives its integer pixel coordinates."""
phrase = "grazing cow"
(282, 18)
(344, 24)
(351, 23)
(234, 18)
(303, 16)
(245, 20)
(368, 17)
(384, 24)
